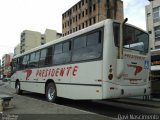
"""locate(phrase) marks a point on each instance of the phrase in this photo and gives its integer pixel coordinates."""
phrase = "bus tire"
(18, 88)
(51, 92)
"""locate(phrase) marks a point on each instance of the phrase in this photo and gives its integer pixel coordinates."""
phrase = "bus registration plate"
(133, 82)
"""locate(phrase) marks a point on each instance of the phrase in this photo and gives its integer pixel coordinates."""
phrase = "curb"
(138, 102)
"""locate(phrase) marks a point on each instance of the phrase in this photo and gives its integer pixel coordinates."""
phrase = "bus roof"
(82, 31)
(87, 29)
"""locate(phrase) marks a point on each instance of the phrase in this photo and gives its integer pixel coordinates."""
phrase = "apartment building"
(31, 39)
(153, 23)
(17, 50)
(50, 35)
(6, 68)
(88, 12)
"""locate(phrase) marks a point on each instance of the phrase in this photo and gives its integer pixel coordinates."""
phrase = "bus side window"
(66, 52)
(116, 31)
(19, 63)
(34, 59)
(43, 56)
(48, 60)
(87, 47)
(25, 61)
(62, 53)
(14, 65)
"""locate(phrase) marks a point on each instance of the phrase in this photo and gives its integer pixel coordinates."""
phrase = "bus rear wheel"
(51, 92)
(18, 88)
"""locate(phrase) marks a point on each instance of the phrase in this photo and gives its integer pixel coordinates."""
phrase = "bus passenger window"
(116, 31)
(62, 53)
(87, 49)
(48, 60)
(34, 58)
(93, 39)
(25, 62)
(43, 57)
(19, 63)
(14, 65)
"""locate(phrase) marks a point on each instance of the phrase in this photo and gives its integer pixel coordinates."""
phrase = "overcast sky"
(37, 15)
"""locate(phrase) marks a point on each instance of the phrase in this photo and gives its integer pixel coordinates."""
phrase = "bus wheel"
(18, 88)
(51, 92)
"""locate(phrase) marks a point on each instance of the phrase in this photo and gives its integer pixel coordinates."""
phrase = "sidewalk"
(1, 83)
(155, 103)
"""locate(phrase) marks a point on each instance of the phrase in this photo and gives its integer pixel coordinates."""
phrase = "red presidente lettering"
(40, 72)
(75, 69)
(49, 73)
(138, 70)
(28, 72)
(53, 71)
(43, 73)
(62, 71)
(57, 72)
(46, 73)
(37, 73)
(68, 70)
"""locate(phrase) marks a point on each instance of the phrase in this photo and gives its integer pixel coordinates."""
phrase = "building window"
(82, 2)
(156, 14)
(86, 11)
(94, 7)
(79, 4)
(70, 21)
(73, 19)
(83, 14)
(90, 9)
(86, 23)
(79, 16)
(94, 20)
(90, 21)
(76, 18)
(79, 27)
(82, 25)
(157, 33)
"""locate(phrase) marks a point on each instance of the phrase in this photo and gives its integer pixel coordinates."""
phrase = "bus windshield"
(134, 39)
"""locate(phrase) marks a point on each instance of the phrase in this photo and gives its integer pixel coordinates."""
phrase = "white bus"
(90, 64)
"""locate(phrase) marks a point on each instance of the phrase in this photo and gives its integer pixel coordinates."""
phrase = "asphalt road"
(34, 106)
(31, 106)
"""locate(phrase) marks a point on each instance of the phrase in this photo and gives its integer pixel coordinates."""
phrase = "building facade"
(31, 39)
(88, 12)
(6, 67)
(153, 23)
(17, 50)
(51, 35)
